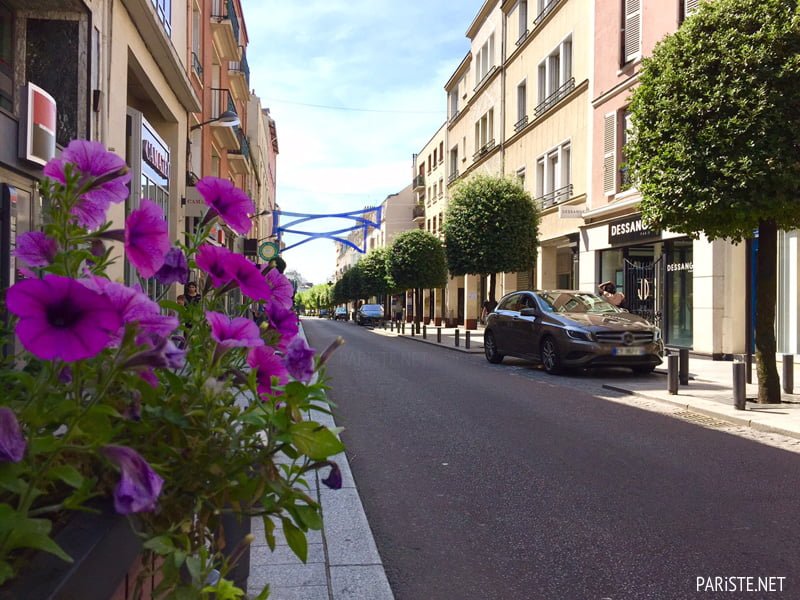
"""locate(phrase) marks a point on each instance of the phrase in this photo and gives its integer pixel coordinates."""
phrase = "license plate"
(627, 351)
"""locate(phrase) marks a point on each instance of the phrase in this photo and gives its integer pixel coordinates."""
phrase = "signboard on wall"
(37, 128)
(630, 230)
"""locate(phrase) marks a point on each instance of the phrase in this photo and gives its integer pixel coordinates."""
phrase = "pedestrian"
(609, 293)
(488, 306)
(191, 294)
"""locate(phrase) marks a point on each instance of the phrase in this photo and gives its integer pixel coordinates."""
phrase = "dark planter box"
(103, 547)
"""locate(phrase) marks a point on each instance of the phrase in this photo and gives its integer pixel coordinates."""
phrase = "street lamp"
(225, 119)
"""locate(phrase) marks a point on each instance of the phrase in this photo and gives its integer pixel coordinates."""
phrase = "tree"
(492, 226)
(374, 276)
(416, 260)
(716, 135)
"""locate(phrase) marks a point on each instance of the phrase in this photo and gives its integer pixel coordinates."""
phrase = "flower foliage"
(173, 414)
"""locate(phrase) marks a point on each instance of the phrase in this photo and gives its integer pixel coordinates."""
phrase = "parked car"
(340, 313)
(568, 328)
(324, 313)
(370, 314)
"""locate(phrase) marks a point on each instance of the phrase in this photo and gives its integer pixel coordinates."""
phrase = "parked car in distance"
(370, 314)
(324, 313)
(564, 329)
(340, 313)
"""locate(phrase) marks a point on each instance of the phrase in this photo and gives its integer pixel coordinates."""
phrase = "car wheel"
(643, 369)
(551, 361)
(490, 348)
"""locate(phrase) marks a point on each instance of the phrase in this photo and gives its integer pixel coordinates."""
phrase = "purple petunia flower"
(282, 290)
(12, 442)
(284, 321)
(36, 249)
(250, 279)
(139, 485)
(163, 354)
(334, 478)
(236, 332)
(175, 268)
(299, 359)
(106, 174)
(217, 262)
(61, 319)
(146, 238)
(229, 202)
(267, 365)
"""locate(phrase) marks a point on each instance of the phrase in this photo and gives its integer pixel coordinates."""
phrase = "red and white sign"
(38, 129)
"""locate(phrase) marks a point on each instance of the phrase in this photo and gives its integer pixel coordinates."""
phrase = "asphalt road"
(479, 484)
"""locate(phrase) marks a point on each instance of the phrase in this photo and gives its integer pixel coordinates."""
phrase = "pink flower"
(146, 238)
(284, 321)
(175, 269)
(299, 359)
(12, 442)
(104, 172)
(250, 279)
(230, 333)
(217, 262)
(229, 202)
(267, 365)
(61, 319)
(139, 485)
(36, 249)
(282, 289)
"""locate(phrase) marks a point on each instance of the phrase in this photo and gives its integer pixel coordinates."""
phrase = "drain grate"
(701, 419)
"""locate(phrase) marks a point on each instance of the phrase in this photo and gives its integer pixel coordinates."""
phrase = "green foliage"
(715, 121)
(375, 276)
(350, 286)
(416, 259)
(491, 226)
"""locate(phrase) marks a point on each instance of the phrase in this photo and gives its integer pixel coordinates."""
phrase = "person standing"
(191, 295)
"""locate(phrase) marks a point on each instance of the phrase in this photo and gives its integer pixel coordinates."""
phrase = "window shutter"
(633, 29)
(610, 154)
(689, 6)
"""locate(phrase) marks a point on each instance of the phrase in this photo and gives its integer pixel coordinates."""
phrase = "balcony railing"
(162, 10)
(555, 197)
(221, 100)
(521, 123)
(486, 76)
(454, 115)
(546, 10)
(244, 144)
(453, 175)
(197, 66)
(483, 149)
(241, 66)
(554, 98)
(419, 182)
(418, 212)
(523, 36)
(223, 9)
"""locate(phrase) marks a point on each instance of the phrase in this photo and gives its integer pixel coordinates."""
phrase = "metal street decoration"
(268, 250)
(360, 217)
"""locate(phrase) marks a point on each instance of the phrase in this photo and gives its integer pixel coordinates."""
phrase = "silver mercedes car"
(565, 329)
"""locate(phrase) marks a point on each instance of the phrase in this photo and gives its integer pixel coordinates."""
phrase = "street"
(481, 484)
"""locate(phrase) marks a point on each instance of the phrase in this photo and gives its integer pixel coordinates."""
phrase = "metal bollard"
(412, 329)
(739, 386)
(438, 335)
(403, 325)
(391, 325)
(683, 366)
(672, 373)
(457, 332)
(424, 332)
(466, 340)
(748, 359)
(417, 326)
(788, 373)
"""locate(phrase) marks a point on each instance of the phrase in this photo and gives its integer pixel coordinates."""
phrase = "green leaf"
(68, 474)
(161, 544)
(310, 516)
(6, 572)
(296, 539)
(195, 566)
(24, 532)
(224, 590)
(315, 440)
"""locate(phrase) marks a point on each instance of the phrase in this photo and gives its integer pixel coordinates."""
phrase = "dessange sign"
(630, 229)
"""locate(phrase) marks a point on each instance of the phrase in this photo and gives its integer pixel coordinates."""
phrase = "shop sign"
(155, 152)
(570, 212)
(37, 132)
(682, 266)
(195, 205)
(630, 229)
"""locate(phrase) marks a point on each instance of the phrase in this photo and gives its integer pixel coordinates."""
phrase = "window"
(554, 176)
(453, 166)
(164, 13)
(441, 152)
(522, 114)
(555, 76)
(441, 187)
(484, 60)
(453, 103)
(197, 65)
(687, 7)
(610, 154)
(522, 13)
(631, 30)
(484, 133)
(521, 176)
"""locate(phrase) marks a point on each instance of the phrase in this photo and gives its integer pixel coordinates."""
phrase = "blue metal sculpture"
(359, 216)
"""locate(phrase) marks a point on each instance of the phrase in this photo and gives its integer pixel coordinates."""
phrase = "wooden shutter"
(610, 153)
(689, 6)
(633, 29)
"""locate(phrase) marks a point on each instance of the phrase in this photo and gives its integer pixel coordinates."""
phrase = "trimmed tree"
(374, 276)
(416, 260)
(716, 135)
(492, 226)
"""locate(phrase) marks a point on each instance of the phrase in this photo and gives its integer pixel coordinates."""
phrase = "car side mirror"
(528, 312)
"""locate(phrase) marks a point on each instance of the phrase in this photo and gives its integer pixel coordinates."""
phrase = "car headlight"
(577, 334)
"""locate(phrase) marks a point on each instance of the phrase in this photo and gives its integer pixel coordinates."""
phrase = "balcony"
(555, 197)
(520, 125)
(419, 182)
(483, 150)
(239, 159)
(546, 10)
(453, 176)
(221, 101)
(239, 77)
(225, 29)
(197, 66)
(418, 214)
(555, 97)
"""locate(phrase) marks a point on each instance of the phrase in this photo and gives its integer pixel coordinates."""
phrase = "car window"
(509, 303)
(575, 302)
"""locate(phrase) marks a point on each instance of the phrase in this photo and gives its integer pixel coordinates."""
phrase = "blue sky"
(373, 55)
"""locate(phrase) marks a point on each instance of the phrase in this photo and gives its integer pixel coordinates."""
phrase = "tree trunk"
(769, 390)
(417, 305)
(493, 288)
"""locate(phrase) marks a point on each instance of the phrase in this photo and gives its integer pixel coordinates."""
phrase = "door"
(644, 288)
(526, 329)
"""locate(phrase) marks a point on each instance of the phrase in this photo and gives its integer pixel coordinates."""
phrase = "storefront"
(654, 273)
